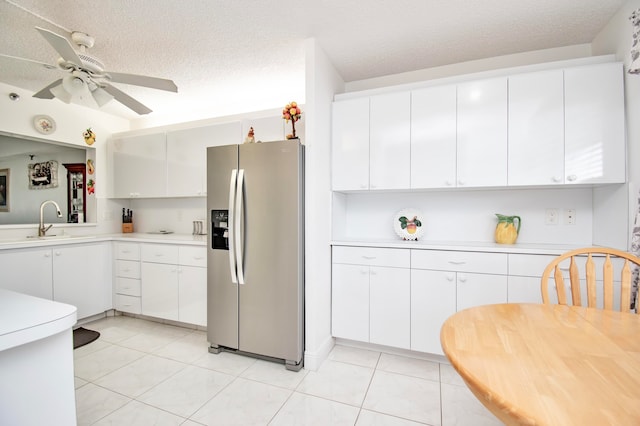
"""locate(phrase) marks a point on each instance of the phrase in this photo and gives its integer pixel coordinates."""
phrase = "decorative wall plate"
(44, 124)
(408, 224)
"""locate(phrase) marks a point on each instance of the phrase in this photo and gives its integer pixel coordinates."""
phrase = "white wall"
(615, 38)
(322, 82)
(71, 121)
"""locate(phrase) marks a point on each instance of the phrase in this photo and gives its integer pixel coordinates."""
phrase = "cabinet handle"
(461, 182)
(47, 255)
(363, 271)
(449, 277)
(448, 183)
(126, 270)
(126, 251)
(198, 257)
(373, 272)
(363, 186)
(457, 262)
(572, 178)
(57, 253)
(159, 254)
(556, 179)
(368, 257)
(462, 278)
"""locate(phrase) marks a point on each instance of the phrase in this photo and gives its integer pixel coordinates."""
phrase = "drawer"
(160, 253)
(459, 261)
(128, 269)
(372, 256)
(129, 286)
(127, 251)
(193, 256)
(129, 304)
(528, 265)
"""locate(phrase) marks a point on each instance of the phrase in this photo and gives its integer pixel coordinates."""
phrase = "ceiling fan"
(86, 75)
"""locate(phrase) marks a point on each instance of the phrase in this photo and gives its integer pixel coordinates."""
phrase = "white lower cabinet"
(525, 272)
(390, 306)
(82, 277)
(127, 280)
(77, 274)
(28, 271)
(401, 297)
(174, 283)
(433, 300)
(371, 295)
(350, 302)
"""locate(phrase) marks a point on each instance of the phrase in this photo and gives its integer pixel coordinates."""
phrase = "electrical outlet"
(569, 216)
(551, 217)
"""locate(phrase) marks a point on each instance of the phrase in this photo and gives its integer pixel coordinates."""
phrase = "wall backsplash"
(467, 215)
(172, 214)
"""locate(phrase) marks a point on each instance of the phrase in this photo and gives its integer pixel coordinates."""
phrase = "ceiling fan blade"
(61, 45)
(143, 80)
(126, 100)
(31, 61)
(46, 93)
(60, 93)
(101, 96)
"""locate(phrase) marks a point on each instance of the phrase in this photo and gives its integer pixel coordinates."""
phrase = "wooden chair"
(577, 257)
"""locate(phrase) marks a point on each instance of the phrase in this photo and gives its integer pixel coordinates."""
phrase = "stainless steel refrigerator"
(255, 259)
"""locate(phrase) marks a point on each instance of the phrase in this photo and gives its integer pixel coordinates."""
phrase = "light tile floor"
(141, 372)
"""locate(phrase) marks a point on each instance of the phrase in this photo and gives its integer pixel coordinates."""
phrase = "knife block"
(127, 228)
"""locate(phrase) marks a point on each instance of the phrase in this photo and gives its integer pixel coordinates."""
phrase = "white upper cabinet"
(350, 148)
(482, 133)
(536, 128)
(594, 124)
(139, 166)
(187, 156)
(390, 141)
(433, 137)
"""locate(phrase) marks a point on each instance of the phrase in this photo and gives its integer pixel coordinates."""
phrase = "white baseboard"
(313, 360)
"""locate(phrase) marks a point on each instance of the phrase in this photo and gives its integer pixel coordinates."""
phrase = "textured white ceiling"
(241, 55)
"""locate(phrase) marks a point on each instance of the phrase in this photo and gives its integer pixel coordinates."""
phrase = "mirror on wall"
(32, 171)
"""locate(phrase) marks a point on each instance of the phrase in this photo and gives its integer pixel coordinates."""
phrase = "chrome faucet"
(42, 230)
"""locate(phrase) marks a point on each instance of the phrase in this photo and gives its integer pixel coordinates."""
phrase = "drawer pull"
(457, 262)
(198, 257)
(126, 251)
(159, 254)
(368, 257)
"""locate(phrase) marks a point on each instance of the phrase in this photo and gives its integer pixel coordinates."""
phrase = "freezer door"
(222, 293)
(271, 298)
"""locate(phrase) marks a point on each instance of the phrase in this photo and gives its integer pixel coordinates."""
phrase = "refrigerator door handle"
(231, 225)
(238, 227)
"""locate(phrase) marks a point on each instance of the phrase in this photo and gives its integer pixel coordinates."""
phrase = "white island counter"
(36, 361)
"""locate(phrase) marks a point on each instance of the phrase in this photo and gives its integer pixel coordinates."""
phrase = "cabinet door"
(390, 141)
(28, 272)
(139, 166)
(433, 300)
(480, 289)
(350, 145)
(390, 307)
(482, 133)
(536, 128)
(82, 277)
(187, 156)
(160, 290)
(433, 137)
(350, 302)
(594, 124)
(192, 295)
(524, 290)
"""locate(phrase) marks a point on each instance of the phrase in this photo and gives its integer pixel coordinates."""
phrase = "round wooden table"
(548, 364)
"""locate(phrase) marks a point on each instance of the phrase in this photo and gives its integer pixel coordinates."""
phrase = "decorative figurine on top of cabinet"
(250, 136)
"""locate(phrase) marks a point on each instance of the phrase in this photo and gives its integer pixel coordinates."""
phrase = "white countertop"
(553, 249)
(24, 242)
(24, 319)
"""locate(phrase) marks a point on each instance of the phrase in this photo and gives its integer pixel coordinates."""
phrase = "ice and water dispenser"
(220, 227)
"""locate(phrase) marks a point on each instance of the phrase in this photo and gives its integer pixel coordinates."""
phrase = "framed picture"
(4, 190)
(43, 175)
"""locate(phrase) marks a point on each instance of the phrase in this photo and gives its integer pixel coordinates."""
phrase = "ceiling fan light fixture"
(73, 84)
(60, 93)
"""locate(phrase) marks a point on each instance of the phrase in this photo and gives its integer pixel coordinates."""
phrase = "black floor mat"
(82, 336)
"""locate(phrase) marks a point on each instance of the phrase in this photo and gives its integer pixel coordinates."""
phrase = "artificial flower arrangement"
(292, 112)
